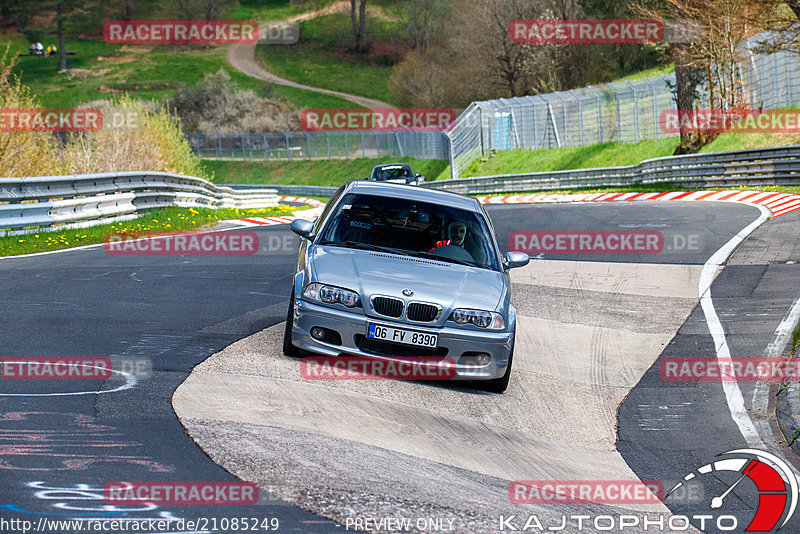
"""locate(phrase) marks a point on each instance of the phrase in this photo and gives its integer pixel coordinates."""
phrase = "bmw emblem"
(407, 292)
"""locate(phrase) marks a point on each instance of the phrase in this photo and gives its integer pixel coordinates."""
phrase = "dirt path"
(242, 58)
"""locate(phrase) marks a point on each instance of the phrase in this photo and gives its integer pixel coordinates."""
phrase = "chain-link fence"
(626, 111)
(324, 145)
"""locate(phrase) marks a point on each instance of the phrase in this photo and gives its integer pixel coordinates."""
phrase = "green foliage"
(604, 155)
(216, 104)
(100, 69)
(324, 172)
(156, 221)
(322, 59)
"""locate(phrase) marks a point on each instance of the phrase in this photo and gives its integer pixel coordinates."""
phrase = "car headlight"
(481, 318)
(331, 295)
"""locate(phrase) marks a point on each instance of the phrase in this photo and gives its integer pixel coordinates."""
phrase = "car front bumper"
(457, 341)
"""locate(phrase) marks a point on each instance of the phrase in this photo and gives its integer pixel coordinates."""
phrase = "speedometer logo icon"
(775, 482)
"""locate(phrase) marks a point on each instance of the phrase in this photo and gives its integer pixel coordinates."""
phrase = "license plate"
(401, 335)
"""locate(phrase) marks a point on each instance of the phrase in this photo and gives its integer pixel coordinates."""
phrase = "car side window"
(327, 211)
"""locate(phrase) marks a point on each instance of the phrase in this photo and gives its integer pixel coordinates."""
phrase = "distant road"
(242, 58)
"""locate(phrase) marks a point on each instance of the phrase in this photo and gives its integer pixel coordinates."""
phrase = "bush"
(217, 105)
(23, 153)
(148, 139)
(136, 136)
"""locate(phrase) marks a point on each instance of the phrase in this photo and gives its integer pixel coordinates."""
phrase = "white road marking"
(761, 391)
(733, 394)
(130, 382)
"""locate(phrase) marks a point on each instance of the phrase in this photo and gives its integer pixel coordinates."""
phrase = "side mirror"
(516, 259)
(303, 228)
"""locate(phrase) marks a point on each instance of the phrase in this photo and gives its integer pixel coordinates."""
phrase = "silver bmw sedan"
(394, 272)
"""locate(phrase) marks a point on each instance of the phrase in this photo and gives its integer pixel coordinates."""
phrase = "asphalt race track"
(611, 317)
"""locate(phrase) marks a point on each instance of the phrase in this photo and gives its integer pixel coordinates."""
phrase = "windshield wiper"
(356, 244)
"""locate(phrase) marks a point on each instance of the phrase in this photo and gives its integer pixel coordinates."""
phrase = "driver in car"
(457, 232)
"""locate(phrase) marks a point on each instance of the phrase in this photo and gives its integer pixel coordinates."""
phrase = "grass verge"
(155, 221)
(321, 57)
(99, 69)
(263, 10)
(610, 154)
(315, 172)
(796, 339)
(553, 159)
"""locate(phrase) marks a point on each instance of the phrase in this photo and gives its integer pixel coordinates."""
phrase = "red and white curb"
(286, 219)
(778, 203)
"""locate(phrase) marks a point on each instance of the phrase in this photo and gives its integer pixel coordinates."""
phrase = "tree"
(358, 15)
(712, 46)
(423, 20)
(781, 18)
(199, 9)
(66, 12)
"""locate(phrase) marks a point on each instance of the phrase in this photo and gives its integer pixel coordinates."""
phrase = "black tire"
(499, 385)
(288, 347)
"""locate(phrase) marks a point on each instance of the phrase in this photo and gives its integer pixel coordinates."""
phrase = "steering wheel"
(453, 252)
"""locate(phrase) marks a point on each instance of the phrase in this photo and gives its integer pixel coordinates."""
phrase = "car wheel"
(288, 347)
(499, 385)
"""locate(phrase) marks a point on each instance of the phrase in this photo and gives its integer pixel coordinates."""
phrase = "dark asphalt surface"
(169, 313)
(669, 429)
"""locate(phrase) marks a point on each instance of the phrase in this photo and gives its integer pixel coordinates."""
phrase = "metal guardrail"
(85, 200)
(753, 167)
(621, 112)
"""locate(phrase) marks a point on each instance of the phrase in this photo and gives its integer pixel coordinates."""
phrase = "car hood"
(370, 273)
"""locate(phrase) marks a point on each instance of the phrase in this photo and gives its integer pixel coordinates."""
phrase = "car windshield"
(413, 228)
(392, 173)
